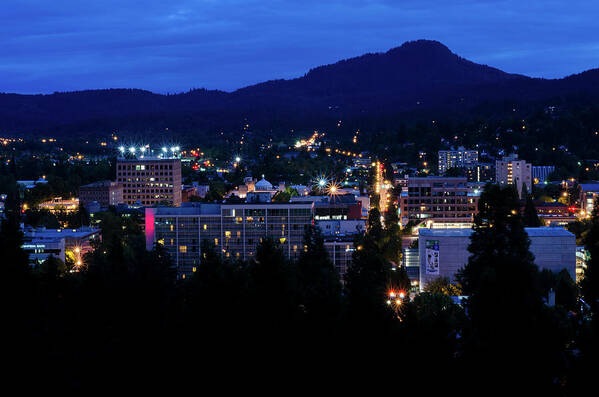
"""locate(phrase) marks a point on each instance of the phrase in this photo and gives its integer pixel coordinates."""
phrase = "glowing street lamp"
(132, 149)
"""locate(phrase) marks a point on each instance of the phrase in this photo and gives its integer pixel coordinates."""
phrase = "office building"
(233, 229)
(460, 158)
(438, 200)
(105, 193)
(442, 252)
(150, 180)
(511, 171)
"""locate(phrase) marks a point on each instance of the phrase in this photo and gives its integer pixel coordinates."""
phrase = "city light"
(122, 149)
(132, 149)
(164, 149)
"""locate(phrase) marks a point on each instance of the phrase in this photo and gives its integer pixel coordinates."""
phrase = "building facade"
(460, 158)
(588, 193)
(442, 252)
(150, 181)
(438, 200)
(511, 171)
(481, 172)
(105, 193)
(234, 230)
(540, 173)
(40, 243)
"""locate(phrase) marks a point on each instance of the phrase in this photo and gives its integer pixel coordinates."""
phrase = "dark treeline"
(126, 318)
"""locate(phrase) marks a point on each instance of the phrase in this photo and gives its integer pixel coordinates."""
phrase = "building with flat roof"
(511, 171)
(438, 200)
(234, 229)
(40, 243)
(457, 158)
(150, 180)
(588, 193)
(442, 252)
(105, 193)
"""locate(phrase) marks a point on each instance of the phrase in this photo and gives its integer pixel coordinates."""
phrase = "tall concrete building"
(234, 229)
(150, 180)
(511, 171)
(460, 158)
(447, 201)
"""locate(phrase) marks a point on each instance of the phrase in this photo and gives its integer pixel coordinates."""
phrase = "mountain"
(415, 77)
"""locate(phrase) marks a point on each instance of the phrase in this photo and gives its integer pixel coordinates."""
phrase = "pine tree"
(590, 283)
(530, 216)
(505, 307)
(320, 287)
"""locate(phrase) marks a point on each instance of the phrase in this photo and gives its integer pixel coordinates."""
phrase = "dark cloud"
(169, 46)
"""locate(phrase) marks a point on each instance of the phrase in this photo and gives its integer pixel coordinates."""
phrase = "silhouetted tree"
(319, 280)
(530, 216)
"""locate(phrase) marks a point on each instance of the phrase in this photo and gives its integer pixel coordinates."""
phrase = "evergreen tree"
(590, 283)
(367, 278)
(530, 216)
(319, 280)
(506, 308)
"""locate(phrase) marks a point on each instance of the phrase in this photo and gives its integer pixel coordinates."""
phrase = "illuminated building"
(449, 202)
(511, 171)
(540, 173)
(40, 243)
(233, 229)
(481, 172)
(460, 158)
(588, 193)
(150, 180)
(59, 205)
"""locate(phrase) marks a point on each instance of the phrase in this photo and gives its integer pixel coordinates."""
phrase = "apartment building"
(511, 171)
(460, 158)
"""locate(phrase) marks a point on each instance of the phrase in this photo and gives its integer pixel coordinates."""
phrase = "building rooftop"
(531, 231)
(589, 187)
(100, 184)
(42, 232)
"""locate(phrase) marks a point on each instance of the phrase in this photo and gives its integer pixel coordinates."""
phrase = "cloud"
(175, 45)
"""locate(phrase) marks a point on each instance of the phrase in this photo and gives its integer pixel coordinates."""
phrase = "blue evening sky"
(175, 45)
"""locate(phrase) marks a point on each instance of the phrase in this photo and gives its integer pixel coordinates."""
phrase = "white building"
(442, 252)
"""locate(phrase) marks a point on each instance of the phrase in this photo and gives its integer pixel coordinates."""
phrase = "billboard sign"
(432, 257)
